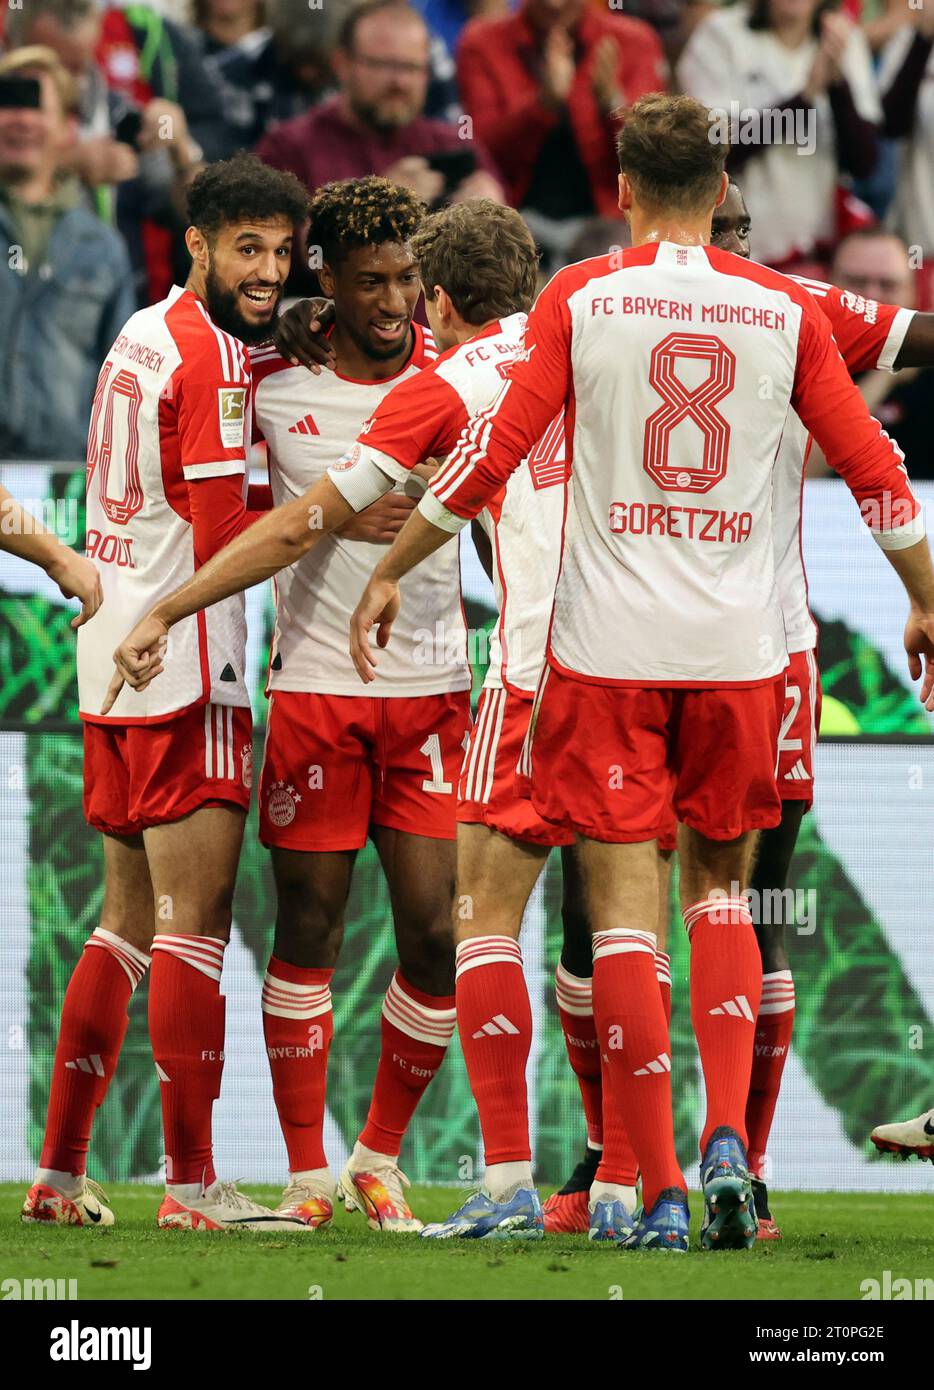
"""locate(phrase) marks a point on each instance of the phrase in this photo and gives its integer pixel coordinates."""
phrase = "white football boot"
(221, 1207)
(373, 1184)
(911, 1137)
(81, 1205)
(310, 1200)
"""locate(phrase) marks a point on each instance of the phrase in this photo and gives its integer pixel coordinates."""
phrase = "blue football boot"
(480, 1218)
(610, 1220)
(729, 1210)
(666, 1226)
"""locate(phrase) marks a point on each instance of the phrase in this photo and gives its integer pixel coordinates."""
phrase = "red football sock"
(575, 1010)
(618, 1162)
(773, 1038)
(186, 1028)
(634, 1041)
(494, 1020)
(663, 975)
(619, 1157)
(416, 1029)
(93, 1024)
(726, 982)
(298, 1025)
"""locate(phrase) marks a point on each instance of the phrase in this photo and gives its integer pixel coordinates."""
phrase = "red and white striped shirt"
(676, 369)
(170, 409)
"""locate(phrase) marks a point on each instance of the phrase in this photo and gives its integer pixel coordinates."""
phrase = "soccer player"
(341, 764)
(478, 264)
(869, 335)
(665, 677)
(167, 775)
(911, 1137)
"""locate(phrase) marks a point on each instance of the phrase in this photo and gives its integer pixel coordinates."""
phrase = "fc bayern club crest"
(281, 803)
(246, 765)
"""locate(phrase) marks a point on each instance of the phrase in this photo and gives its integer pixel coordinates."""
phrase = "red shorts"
(616, 763)
(798, 735)
(139, 775)
(490, 791)
(336, 764)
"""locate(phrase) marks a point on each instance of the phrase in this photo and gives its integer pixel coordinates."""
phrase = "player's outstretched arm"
(277, 540)
(22, 535)
(856, 447)
(379, 602)
(917, 349)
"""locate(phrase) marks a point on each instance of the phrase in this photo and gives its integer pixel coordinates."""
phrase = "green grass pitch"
(833, 1242)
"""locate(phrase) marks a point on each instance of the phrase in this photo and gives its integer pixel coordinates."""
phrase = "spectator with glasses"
(375, 124)
(875, 265)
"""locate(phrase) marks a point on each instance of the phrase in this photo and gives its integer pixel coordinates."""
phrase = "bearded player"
(869, 335)
(341, 765)
(167, 775)
(666, 652)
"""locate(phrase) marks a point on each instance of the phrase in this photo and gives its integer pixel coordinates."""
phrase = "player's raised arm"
(856, 447)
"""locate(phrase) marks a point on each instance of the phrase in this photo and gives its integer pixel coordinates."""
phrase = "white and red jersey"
(676, 370)
(170, 410)
(308, 423)
(423, 418)
(869, 335)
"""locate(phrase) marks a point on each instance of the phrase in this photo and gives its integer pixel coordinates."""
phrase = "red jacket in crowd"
(498, 62)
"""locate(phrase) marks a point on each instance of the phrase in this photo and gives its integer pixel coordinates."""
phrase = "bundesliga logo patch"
(231, 401)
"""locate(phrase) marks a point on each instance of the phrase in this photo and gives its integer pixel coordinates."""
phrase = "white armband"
(437, 513)
(901, 537)
(363, 476)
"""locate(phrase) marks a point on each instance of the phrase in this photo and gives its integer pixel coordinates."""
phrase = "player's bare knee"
(426, 954)
(771, 939)
(211, 913)
(130, 927)
(310, 938)
(709, 866)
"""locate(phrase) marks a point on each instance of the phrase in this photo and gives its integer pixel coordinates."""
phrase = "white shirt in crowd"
(790, 195)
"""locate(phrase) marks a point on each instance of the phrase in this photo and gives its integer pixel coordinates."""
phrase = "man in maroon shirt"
(542, 85)
(375, 125)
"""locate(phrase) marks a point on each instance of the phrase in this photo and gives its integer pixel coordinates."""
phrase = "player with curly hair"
(341, 766)
(167, 776)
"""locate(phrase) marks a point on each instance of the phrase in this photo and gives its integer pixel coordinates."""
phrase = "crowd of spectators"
(107, 112)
